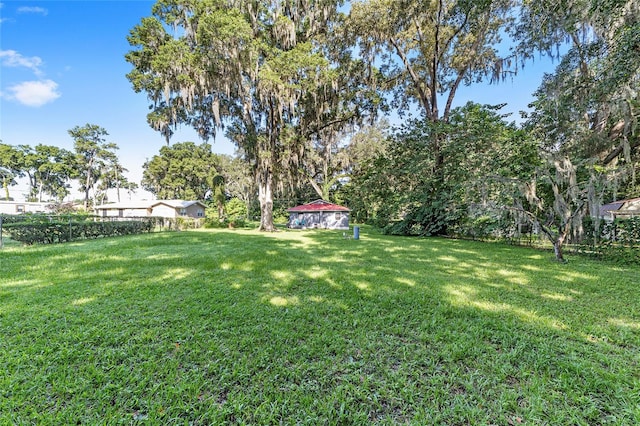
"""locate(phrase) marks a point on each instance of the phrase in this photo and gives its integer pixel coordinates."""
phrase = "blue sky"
(62, 65)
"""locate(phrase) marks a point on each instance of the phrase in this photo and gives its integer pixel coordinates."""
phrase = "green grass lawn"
(239, 327)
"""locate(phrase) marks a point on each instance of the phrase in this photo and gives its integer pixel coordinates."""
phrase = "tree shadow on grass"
(261, 328)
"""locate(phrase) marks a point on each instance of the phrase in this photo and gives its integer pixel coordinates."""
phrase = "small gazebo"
(319, 214)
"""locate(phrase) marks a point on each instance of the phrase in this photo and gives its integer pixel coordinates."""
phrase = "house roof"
(318, 206)
(176, 203)
(145, 204)
(617, 206)
(606, 208)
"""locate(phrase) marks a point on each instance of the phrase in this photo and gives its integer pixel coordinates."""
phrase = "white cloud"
(34, 93)
(28, 9)
(11, 58)
(3, 20)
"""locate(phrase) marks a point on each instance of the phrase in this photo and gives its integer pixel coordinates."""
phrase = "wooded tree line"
(287, 80)
(49, 170)
(182, 171)
(300, 87)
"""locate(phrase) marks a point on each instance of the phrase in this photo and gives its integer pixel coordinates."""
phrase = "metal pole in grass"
(69, 227)
(1, 242)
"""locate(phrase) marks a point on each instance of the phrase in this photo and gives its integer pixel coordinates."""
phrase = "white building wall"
(633, 206)
(162, 210)
(17, 207)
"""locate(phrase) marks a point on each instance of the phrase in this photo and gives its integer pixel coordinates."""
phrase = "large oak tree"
(427, 50)
(182, 171)
(261, 70)
(586, 113)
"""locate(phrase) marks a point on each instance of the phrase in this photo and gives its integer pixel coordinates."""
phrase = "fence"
(618, 240)
(49, 229)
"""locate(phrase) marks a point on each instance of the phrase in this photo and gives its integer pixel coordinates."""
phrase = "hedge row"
(618, 240)
(46, 218)
(60, 232)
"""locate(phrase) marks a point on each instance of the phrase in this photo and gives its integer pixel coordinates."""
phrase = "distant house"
(124, 209)
(178, 208)
(319, 214)
(155, 208)
(20, 207)
(621, 209)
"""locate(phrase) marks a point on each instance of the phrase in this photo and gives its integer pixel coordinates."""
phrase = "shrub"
(237, 222)
(618, 240)
(425, 219)
(211, 223)
(236, 208)
(183, 223)
(59, 232)
(226, 223)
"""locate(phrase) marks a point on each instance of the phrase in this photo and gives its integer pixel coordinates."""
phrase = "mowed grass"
(240, 327)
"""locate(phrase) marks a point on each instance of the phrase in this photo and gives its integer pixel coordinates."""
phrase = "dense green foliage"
(618, 240)
(50, 230)
(272, 74)
(241, 327)
(49, 169)
(407, 189)
(585, 116)
(183, 171)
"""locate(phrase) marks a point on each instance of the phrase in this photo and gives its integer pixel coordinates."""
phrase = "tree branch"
(434, 65)
(424, 98)
(617, 151)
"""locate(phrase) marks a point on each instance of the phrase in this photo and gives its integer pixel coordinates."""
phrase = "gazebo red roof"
(318, 206)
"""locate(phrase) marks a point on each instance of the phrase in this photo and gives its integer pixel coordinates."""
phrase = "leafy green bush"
(47, 218)
(618, 240)
(425, 219)
(225, 223)
(183, 223)
(59, 232)
(26, 217)
(236, 208)
(280, 214)
(482, 227)
(211, 223)
(237, 222)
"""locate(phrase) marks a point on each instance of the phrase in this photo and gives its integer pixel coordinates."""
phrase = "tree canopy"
(183, 171)
(263, 71)
(428, 49)
(92, 156)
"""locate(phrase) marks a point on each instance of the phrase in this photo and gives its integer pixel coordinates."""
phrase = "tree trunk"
(557, 250)
(317, 188)
(265, 195)
(557, 246)
(86, 199)
(40, 185)
(88, 185)
(5, 185)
